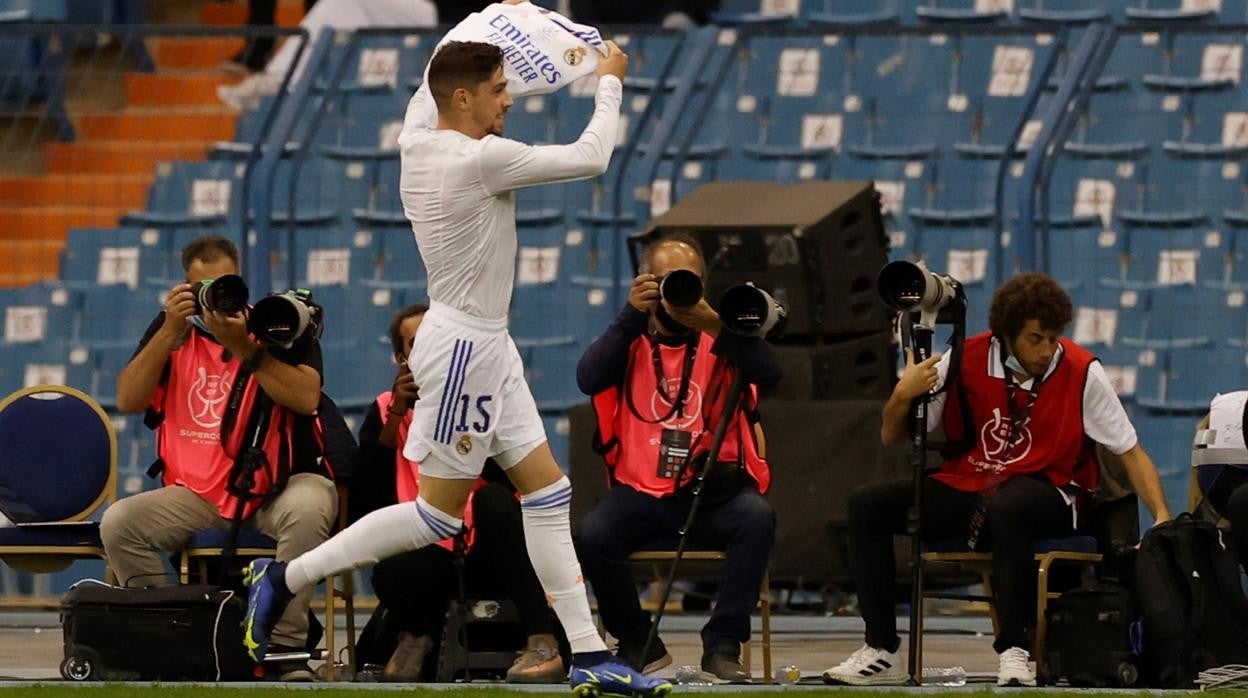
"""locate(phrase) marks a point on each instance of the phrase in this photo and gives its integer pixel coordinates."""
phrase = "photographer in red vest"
(659, 377)
(416, 586)
(1027, 407)
(182, 376)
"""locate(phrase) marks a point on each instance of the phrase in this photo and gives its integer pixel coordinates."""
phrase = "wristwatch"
(252, 363)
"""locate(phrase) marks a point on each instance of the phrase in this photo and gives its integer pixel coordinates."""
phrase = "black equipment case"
(173, 633)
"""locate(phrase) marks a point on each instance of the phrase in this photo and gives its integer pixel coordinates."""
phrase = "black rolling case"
(173, 633)
(1092, 637)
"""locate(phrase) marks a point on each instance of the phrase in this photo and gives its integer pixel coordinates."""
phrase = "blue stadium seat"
(551, 372)
(1195, 375)
(101, 326)
(108, 256)
(331, 256)
(557, 433)
(1170, 249)
(38, 316)
(397, 263)
(192, 193)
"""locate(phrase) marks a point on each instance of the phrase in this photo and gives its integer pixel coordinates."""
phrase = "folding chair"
(58, 466)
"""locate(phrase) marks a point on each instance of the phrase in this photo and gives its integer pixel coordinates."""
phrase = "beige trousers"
(140, 529)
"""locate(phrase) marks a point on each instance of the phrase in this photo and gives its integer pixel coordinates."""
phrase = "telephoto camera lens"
(681, 288)
(227, 294)
(282, 318)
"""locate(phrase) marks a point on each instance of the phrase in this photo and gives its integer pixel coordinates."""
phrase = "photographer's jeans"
(625, 521)
(138, 531)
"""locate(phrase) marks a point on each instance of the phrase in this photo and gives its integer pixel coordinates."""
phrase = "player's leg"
(545, 503)
(381, 534)
(442, 364)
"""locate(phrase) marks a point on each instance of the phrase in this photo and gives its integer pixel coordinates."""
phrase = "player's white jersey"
(458, 193)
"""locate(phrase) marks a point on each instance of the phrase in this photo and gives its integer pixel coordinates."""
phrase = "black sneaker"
(721, 668)
(656, 659)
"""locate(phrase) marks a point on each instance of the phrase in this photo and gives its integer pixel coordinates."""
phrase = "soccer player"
(457, 184)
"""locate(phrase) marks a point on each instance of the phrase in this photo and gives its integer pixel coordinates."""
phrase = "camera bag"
(168, 633)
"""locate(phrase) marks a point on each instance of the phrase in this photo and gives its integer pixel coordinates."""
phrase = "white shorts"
(474, 402)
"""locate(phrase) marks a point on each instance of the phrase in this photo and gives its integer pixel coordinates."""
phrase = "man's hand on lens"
(405, 391)
(917, 379)
(644, 295)
(179, 306)
(701, 317)
(230, 331)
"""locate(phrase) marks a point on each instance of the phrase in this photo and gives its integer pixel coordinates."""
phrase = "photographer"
(183, 376)
(1023, 410)
(1223, 471)
(416, 586)
(656, 376)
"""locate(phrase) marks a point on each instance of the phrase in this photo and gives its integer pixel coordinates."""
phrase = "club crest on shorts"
(464, 445)
(574, 56)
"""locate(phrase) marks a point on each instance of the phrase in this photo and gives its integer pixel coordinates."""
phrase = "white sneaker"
(868, 666)
(247, 94)
(1013, 669)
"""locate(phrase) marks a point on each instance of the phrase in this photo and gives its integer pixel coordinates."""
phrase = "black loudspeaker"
(815, 246)
(853, 369)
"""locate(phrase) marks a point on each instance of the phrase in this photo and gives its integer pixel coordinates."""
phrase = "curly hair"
(1025, 297)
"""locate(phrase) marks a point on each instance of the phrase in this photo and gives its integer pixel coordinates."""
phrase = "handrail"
(657, 98)
(256, 250)
(1007, 157)
(1045, 145)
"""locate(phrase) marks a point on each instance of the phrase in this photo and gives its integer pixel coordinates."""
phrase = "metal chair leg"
(329, 629)
(765, 601)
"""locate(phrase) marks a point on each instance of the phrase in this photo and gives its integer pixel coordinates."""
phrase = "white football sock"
(384, 533)
(548, 536)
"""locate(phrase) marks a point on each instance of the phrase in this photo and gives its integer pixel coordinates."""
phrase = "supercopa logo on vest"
(206, 398)
(994, 441)
(661, 405)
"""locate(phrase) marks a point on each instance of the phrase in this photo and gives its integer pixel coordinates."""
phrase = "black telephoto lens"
(681, 288)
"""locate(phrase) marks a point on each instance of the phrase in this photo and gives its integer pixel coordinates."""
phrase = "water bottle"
(944, 676)
(787, 674)
(689, 675)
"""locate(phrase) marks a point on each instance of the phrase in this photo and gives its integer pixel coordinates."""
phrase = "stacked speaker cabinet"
(817, 247)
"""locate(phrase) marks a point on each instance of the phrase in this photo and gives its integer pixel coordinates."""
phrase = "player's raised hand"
(615, 63)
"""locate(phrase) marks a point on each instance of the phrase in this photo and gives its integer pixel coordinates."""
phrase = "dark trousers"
(1023, 511)
(417, 586)
(1226, 488)
(262, 14)
(625, 521)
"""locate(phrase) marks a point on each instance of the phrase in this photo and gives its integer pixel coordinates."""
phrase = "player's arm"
(508, 164)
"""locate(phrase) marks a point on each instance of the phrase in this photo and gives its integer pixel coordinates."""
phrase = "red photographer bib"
(192, 403)
(647, 426)
(1038, 432)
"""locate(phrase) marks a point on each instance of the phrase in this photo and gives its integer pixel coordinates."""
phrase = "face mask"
(198, 322)
(1011, 362)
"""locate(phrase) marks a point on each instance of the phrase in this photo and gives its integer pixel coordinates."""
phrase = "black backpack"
(1195, 615)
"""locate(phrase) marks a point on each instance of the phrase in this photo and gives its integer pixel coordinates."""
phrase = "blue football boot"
(267, 597)
(615, 678)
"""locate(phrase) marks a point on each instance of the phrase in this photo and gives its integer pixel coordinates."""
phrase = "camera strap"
(682, 392)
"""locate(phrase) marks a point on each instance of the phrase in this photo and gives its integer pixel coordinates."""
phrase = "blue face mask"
(1011, 362)
(198, 322)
